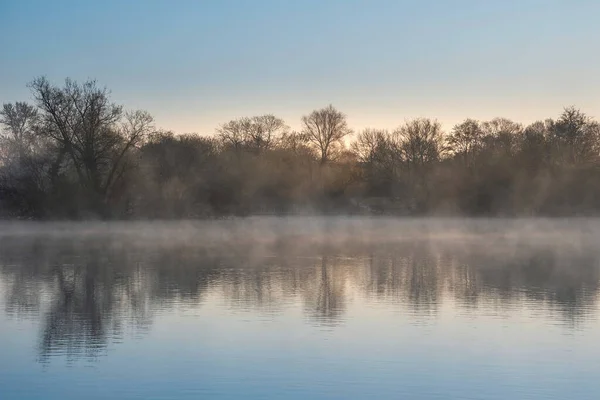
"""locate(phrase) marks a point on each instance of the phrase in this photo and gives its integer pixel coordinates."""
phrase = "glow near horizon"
(200, 64)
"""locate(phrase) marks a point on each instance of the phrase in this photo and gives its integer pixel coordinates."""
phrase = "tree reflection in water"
(92, 290)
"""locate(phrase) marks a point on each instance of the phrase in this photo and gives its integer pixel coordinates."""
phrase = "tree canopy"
(71, 152)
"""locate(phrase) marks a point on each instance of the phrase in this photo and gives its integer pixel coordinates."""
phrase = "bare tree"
(266, 131)
(133, 131)
(421, 141)
(502, 135)
(501, 126)
(466, 139)
(576, 136)
(25, 159)
(378, 158)
(19, 123)
(325, 129)
(295, 142)
(95, 134)
(234, 133)
(371, 145)
(253, 133)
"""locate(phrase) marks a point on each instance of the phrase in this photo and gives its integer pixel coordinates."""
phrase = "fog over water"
(301, 307)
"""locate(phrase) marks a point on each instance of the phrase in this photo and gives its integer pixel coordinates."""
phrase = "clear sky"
(195, 64)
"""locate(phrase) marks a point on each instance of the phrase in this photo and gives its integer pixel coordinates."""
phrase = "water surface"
(297, 308)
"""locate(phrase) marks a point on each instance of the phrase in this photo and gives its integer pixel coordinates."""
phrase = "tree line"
(72, 153)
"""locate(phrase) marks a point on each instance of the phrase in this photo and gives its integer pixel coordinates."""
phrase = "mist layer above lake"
(300, 308)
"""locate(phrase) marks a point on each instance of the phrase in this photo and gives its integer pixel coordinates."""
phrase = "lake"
(301, 308)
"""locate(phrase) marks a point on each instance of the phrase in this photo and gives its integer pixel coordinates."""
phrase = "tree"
(266, 131)
(466, 139)
(501, 135)
(176, 174)
(257, 133)
(95, 134)
(501, 126)
(371, 145)
(19, 122)
(132, 132)
(421, 142)
(233, 134)
(25, 160)
(324, 130)
(576, 136)
(294, 142)
(380, 159)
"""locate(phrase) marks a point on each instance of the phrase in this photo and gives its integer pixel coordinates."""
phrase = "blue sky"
(195, 64)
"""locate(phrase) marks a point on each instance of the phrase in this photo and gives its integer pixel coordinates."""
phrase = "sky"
(197, 64)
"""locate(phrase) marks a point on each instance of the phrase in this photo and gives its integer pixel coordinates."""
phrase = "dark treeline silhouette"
(74, 154)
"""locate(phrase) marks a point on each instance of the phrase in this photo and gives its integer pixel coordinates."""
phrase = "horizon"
(199, 65)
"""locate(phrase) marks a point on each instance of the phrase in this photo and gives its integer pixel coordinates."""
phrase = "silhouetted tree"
(381, 159)
(325, 129)
(25, 160)
(74, 153)
(466, 140)
(575, 136)
(254, 133)
(19, 122)
(94, 133)
(421, 142)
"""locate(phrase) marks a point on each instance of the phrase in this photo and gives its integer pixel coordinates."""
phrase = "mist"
(111, 273)
(70, 153)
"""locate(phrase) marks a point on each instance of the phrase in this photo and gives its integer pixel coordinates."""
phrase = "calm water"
(301, 308)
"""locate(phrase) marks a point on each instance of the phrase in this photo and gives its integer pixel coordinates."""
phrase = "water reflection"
(90, 290)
